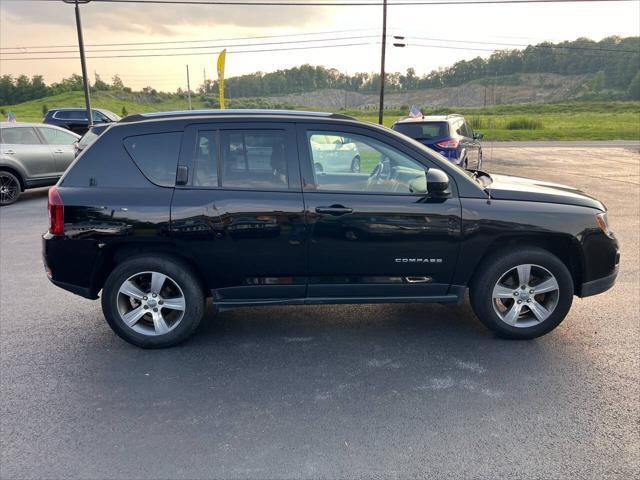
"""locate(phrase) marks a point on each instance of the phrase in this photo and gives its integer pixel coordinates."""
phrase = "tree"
(634, 88)
(116, 82)
(99, 84)
(45, 109)
(124, 111)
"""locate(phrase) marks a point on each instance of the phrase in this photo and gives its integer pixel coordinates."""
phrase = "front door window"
(359, 164)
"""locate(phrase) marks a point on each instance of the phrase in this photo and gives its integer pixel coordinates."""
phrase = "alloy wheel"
(151, 303)
(9, 188)
(525, 295)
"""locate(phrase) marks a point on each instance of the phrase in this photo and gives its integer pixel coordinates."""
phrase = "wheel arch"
(564, 247)
(14, 171)
(114, 255)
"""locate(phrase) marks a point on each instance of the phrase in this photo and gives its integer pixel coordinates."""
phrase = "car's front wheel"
(523, 293)
(9, 188)
(153, 302)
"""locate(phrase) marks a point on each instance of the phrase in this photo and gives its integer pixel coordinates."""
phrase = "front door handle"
(58, 151)
(9, 152)
(334, 210)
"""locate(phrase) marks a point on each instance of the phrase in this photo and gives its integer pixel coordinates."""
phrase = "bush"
(524, 124)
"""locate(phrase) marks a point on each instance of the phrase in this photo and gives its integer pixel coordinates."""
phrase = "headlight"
(603, 222)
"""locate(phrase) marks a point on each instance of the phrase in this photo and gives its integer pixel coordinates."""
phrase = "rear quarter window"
(156, 155)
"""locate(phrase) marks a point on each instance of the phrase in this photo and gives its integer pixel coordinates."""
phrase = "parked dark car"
(32, 155)
(165, 210)
(75, 119)
(451, 136)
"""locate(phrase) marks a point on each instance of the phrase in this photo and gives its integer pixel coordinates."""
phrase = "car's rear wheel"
(318, 167)
(355, 164)
(522, 294)
(153, 302)
(10, 188)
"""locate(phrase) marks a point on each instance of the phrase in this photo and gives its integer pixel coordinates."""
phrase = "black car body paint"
(299, 245)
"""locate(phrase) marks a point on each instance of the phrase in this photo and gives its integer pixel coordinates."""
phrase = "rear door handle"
(334, 210)
(10, 152)
(58, 151)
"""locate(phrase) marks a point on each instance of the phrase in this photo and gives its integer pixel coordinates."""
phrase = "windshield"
(110, 115)
(423, 130)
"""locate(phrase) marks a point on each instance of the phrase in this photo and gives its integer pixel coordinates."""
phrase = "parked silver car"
(332, 153)
(32, 155)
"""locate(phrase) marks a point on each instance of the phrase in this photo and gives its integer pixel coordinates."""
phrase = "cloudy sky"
(447, 33)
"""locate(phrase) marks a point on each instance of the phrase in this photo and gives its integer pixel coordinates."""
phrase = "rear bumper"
(598, 286)
(77, 289)
(70, 264)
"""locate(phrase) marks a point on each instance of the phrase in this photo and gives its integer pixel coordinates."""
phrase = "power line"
(196, 53)
(333, 3)
(551, 45)
(167, 42)
(471, 42)
(315, 40)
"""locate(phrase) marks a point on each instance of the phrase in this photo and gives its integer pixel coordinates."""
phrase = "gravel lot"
(391, 391)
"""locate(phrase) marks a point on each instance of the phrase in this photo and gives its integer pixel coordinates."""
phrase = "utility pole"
(83, 60)
(382, 60)
(188, 88)
(204, 81)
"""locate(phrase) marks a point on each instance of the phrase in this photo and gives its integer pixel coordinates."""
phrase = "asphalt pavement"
(381, 391)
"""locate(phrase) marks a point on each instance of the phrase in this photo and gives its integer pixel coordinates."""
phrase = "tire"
(355, 164)
(10, 188)
(480, 160)
(498, 276)
(168, 327)
(318, 167)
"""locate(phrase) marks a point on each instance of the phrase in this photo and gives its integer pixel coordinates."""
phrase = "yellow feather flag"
(221, 61)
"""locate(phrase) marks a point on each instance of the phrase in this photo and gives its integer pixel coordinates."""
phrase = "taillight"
(453, 143)
(56, 212)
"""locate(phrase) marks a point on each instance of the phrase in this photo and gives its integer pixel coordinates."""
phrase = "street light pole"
(83, 60)
(382, 61)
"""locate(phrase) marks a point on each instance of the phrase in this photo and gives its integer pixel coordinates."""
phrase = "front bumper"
(598, 286)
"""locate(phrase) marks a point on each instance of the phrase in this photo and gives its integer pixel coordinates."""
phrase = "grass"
(561, 121)
(578, 120)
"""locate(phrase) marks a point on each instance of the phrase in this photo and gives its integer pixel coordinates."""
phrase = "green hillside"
(579, 120)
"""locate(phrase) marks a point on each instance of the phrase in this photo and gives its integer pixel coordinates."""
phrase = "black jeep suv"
(165, 210)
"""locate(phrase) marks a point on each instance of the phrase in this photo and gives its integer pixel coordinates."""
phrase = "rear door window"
(19, 136)
(156, 155)
(254, 159)
(206, 159)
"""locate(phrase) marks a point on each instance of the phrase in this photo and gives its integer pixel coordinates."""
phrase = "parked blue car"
(449, 135)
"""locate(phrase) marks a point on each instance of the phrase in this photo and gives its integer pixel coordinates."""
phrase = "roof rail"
(229, 112)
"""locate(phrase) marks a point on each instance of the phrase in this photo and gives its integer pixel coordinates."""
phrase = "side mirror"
(478, 136)
(434, 182)
(437, 182)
